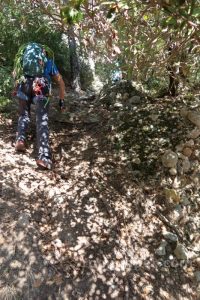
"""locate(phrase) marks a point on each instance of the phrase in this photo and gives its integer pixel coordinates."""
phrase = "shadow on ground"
(87, 229)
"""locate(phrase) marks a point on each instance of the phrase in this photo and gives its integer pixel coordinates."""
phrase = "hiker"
(35, 67)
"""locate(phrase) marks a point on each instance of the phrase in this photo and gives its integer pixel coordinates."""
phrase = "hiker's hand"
(62, 104)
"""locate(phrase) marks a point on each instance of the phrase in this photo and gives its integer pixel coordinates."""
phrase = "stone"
(172, 195)
(57, 243)
(186, 165)
(180, 252)
(112, 95)
(198, 291)
(118, 105)
(195, 180)
(169, 159)
(180, 155)
(194, 118)
(24, 219)
(93, 119)
(187, 151)
(185, 201)
(197, 276)
(119, 96)
(134, 100)
(178, 182)
(125, 96)
(173, 171)
(176, 214)
(194, 134)
(2, 240)
(179, 147)
(15, 264)
(196, 153)
(189, 143)
(154, 117)
(184, 112)
(170, 236)
(161, 250)
(136, 161)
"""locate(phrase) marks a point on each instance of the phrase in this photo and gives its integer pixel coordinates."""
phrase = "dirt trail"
(85, 230)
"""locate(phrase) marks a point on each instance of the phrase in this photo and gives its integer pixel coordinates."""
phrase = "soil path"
(85, 230)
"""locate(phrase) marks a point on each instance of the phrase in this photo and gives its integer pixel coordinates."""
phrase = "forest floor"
(98, 226)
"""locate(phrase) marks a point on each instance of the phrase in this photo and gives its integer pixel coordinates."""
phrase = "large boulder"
(128, 93)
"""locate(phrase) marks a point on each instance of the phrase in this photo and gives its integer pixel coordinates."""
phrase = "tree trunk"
(173, 81)
(173, 71)
(74, 61)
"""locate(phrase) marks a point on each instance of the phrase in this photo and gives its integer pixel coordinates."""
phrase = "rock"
(15, 264)
(170, 236)
(180, 155)
(147, 290)
(146, 128)
(118, 105)
(172, 171)
(195, 180)
(176, 213)
(136, 161)
(112, 95)
(194, 118)
(176, 183)
(186, 165)
(161, 250)
(179, 147)
(195, 164)
(2, 240)
(197, 276)
(154, 117)
(187, 151)
(119, 96)
(134, 100)
(197, 153)
(92, 119)
(125, 96)
(185, 201)
(194, 134)
(180, 252)
(189, 143)
(57, 243)
(184, 112)
(24, 219)
(169, 159)
(198, 291)
(172, 195)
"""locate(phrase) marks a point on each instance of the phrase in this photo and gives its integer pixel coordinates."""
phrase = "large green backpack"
(34, 60)
(30, 59)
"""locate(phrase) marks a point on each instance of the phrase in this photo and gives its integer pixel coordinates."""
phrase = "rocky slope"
(118, 216)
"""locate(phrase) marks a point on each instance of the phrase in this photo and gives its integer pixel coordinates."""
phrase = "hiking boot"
(44, 164)
(20, 146)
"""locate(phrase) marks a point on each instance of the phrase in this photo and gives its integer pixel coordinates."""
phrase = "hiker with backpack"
(34, 69)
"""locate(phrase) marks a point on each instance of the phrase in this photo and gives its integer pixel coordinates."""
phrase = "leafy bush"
(6, 81)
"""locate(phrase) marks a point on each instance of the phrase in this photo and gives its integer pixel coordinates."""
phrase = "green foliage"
(6, 81)
(138, 33)
(71, 13)
(4, 104)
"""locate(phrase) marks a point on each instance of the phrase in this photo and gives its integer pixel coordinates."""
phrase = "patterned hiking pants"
(42, 129)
